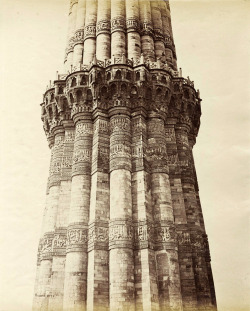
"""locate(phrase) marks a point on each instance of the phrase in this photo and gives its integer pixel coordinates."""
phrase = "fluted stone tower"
(123, 226)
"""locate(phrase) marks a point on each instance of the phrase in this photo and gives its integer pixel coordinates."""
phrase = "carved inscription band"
(119, 234)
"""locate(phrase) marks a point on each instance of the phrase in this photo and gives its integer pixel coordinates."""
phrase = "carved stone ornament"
(71, 44)
(103, 26)
(59, 241)
(139, 127)
(156, 128)
(147, 29)
(98, 234)
(69, 136)
(119, 124)
(120, 231)
(164, 233)
(55, 167)
(46, 245)
(118, 150)
(182, 139)
(89, 31)
(183, 238)
(83, 129)
(132, 24)
(144, 232)
(67, 162)
(158, 151)
(83, 155)
(197, 240)
(118, 24)
(170, 134)
(158, 35)
(52, 243)
(101, 127)
(172, 159)
(59, 140)
(138, 152)
(79, 36)
(76, 236)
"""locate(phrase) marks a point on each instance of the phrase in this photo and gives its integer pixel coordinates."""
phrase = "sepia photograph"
(125, 155)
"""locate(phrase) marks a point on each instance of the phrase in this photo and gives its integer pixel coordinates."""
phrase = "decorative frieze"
(168, 42)
(83, 129)
(144, 235)
(132, 24)
(156, 129)
(185, 120)
(67, 162)
(90, 31)
(156, 151)
(122, 149)
(103, 26)
(170, 135)
(83, 155)
(98, 236)
(197, 241)
(164, 233)
(52, 244)
(101, 153)
(138, 152)
(59, 140)
(182, 139)
(118, 24)
(59, 241)
(79, 37)
(101, 127)
(69, 136)
(192, 241)
(56, 162)
(183, 238)
(120, 234)
(55, 167)
(158, 35)
(70, 46)
(172, 159)
(138, 126)
(77, 238)
(46, 246)
(147, 29)
(118, 124)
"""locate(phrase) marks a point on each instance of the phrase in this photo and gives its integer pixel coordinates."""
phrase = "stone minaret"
(123, 226)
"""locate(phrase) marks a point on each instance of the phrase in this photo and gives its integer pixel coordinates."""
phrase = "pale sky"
(212, 40)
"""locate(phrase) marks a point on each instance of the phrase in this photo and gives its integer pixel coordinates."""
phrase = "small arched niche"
(118, 75)
(137, 76)
(89, 95)
(71, 98)
(78, 96)
(104, 92)
(83, 80)
(73, 82)
(113, 90)
(108, 76)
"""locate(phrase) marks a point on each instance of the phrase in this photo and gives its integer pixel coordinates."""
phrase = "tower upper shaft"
(116, 28)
